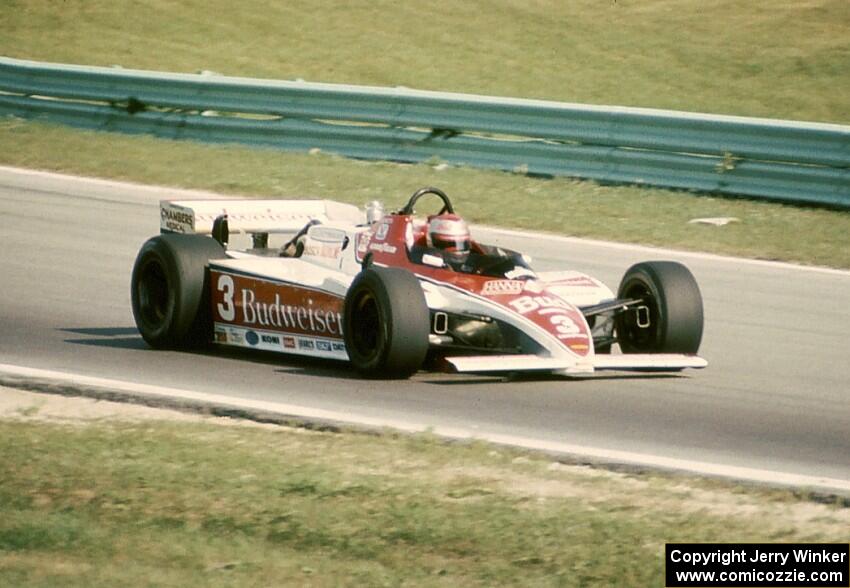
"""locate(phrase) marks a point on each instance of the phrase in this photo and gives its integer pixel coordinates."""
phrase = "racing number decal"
(226, 308)
(564, 325)
(557, 317)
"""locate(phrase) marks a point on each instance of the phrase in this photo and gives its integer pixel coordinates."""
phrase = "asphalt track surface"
(776, 395)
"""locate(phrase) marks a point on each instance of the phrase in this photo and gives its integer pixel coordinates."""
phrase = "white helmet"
(450, 233)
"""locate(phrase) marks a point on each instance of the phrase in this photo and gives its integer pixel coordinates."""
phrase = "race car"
(393, 293)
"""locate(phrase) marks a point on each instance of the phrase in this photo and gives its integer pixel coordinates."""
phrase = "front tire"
(386, 323)
(170, 290)
(670, 319)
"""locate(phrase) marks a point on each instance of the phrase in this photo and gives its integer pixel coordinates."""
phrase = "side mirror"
(220, 230)
(433, 260)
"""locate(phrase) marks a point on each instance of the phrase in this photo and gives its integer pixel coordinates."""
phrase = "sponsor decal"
(177, 219)
(363, 240)
(323, 345)
(499, 287)
(338, 346)
(382, 231)
(220, 336)
(235, 337)
(319, 250)
(261, 305)
(527, 304)
(271, 339)
(289, 342)
(305, 344)
(252, 338)
(288, 316)
(383, 247)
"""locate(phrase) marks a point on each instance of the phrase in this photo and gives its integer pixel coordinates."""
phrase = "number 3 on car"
(226, 309)
(393, 293)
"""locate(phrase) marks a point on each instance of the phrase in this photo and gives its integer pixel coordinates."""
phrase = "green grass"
(639, 215)
(773, 58)
(146, 503)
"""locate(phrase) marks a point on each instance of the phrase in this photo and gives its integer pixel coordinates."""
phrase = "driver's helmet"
(449, 233)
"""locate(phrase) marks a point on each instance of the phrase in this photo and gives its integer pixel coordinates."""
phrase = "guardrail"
(782, 160)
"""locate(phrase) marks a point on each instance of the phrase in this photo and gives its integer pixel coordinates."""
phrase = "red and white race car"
(373, 289)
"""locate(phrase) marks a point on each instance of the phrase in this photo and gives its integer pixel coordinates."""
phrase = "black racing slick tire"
(386, 323)
(170, 290)
(670, 317)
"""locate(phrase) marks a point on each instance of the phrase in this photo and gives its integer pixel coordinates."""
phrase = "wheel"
(386, 323)
(170, 290)
(670, 319)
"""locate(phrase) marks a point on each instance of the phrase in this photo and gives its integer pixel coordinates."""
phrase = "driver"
(450, 234)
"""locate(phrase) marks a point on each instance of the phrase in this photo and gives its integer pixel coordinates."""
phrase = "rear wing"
(253, 216)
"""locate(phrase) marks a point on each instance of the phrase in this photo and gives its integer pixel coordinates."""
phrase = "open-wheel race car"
(395, 293)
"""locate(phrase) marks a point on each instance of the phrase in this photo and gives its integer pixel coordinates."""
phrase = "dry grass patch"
(141, 501)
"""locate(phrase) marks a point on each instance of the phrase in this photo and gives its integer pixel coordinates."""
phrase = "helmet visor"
(453, 244)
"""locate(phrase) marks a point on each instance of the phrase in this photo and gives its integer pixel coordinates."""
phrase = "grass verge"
(773, 58)
(583, 209)
(777, 58)
(149, 502)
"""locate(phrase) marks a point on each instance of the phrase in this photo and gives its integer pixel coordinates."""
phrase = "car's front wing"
(626, 362)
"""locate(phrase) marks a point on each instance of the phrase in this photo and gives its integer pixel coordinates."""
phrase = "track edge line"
(68, 384)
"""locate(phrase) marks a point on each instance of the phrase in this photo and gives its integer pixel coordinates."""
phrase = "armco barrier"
(792, 161)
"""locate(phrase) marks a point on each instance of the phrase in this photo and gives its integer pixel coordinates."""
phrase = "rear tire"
(386, 323)
(170, 290)
(670, 320)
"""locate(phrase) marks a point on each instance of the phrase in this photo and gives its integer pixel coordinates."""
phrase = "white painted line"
(147, 189)
(290, 410)
(164, 392)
